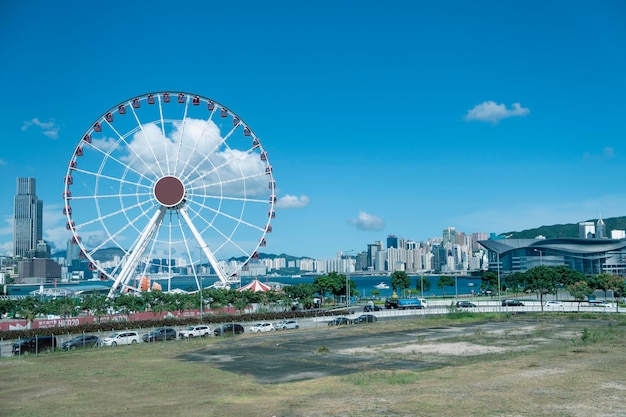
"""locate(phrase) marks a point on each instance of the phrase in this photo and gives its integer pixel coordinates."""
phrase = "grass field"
(556, 365)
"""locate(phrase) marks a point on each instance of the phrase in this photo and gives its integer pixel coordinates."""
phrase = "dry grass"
(541, 369)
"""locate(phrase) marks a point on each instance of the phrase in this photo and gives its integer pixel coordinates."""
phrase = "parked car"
(200, 330)
(82, 341)
(34, 344)
(228, 329)
(371, 307)
(121, 338)
(596, 303)
(262, 327)
(160, 334)
(465, 304)
(513, 303)
(552, 304)
(365, 318)
(338, 321)
(287, 324)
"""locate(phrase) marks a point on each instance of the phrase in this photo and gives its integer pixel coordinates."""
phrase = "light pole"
(201, 300)
(540, 256)
(348, 277)
(499, 286)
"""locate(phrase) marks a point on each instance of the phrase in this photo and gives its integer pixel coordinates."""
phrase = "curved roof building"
(588, 256)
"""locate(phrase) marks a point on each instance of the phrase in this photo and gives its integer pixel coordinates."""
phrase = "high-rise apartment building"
(28, 219)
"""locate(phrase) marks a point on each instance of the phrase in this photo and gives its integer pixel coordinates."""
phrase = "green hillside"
(569, 230)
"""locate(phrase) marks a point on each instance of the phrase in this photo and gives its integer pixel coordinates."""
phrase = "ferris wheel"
(176, 184)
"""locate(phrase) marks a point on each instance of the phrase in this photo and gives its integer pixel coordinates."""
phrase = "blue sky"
(397, 117)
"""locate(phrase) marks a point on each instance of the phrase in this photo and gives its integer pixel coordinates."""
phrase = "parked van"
(34, 345)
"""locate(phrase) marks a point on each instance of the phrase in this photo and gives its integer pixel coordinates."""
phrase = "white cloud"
(490, 111)
(291, 201)
(607, 153)
(368, 222)
(49, 129)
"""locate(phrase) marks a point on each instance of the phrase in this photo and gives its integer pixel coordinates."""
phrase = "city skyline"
(399, 118)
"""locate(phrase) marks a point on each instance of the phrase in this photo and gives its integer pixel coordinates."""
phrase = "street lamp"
(201, 300)
(499, 286)
(540, 256)
(348, 276)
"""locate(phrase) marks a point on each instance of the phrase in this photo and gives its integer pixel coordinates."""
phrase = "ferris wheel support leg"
(221, 274)
(140, 247)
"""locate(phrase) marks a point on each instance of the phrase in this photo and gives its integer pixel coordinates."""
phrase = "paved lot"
(295, 355)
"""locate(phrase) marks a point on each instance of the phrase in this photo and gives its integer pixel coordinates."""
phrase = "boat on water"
(381, 286)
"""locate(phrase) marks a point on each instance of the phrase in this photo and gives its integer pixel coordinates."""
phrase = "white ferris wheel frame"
(163, 183)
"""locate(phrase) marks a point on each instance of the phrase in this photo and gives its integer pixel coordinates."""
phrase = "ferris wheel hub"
(169, 191)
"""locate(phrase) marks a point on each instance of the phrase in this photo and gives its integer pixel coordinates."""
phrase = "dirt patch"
(296, 356)
(441, 348)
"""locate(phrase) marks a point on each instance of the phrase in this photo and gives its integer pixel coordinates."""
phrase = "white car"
(262, 327)
(200, 330)
(556, 305)
(287, 324)
(121, 338)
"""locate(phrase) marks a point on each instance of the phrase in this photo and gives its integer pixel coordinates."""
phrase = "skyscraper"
(27, 221)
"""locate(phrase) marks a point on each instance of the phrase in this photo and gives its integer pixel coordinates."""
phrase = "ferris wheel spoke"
(114, 196)
(226, 198)
(148, 142)
(162, 125)
(182, 133)
(111, 237)
(222, 142)
(226, 215)
(99, 176)
(227, 239)
(215, 168)
(101, 217)
(226, 182)
(108, 156)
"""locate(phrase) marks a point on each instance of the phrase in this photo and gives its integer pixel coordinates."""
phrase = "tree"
(400, 281)
(301, 293)
(580, 290)
(541, 280)
(423, 284)
(568, 276)
(331, 283)
(443, 282)
(515, 281)
(489, 281)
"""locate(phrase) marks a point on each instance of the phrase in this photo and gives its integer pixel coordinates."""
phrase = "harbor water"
(365, 285)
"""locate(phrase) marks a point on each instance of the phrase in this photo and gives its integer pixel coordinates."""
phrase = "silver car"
(287, 324)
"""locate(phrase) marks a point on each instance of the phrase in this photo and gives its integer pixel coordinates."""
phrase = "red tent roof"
(255, 286)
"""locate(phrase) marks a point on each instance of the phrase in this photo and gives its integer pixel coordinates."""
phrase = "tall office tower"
(449, 235)
(392, 241)
(600, 229)
(586, 230)
(27, 221)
